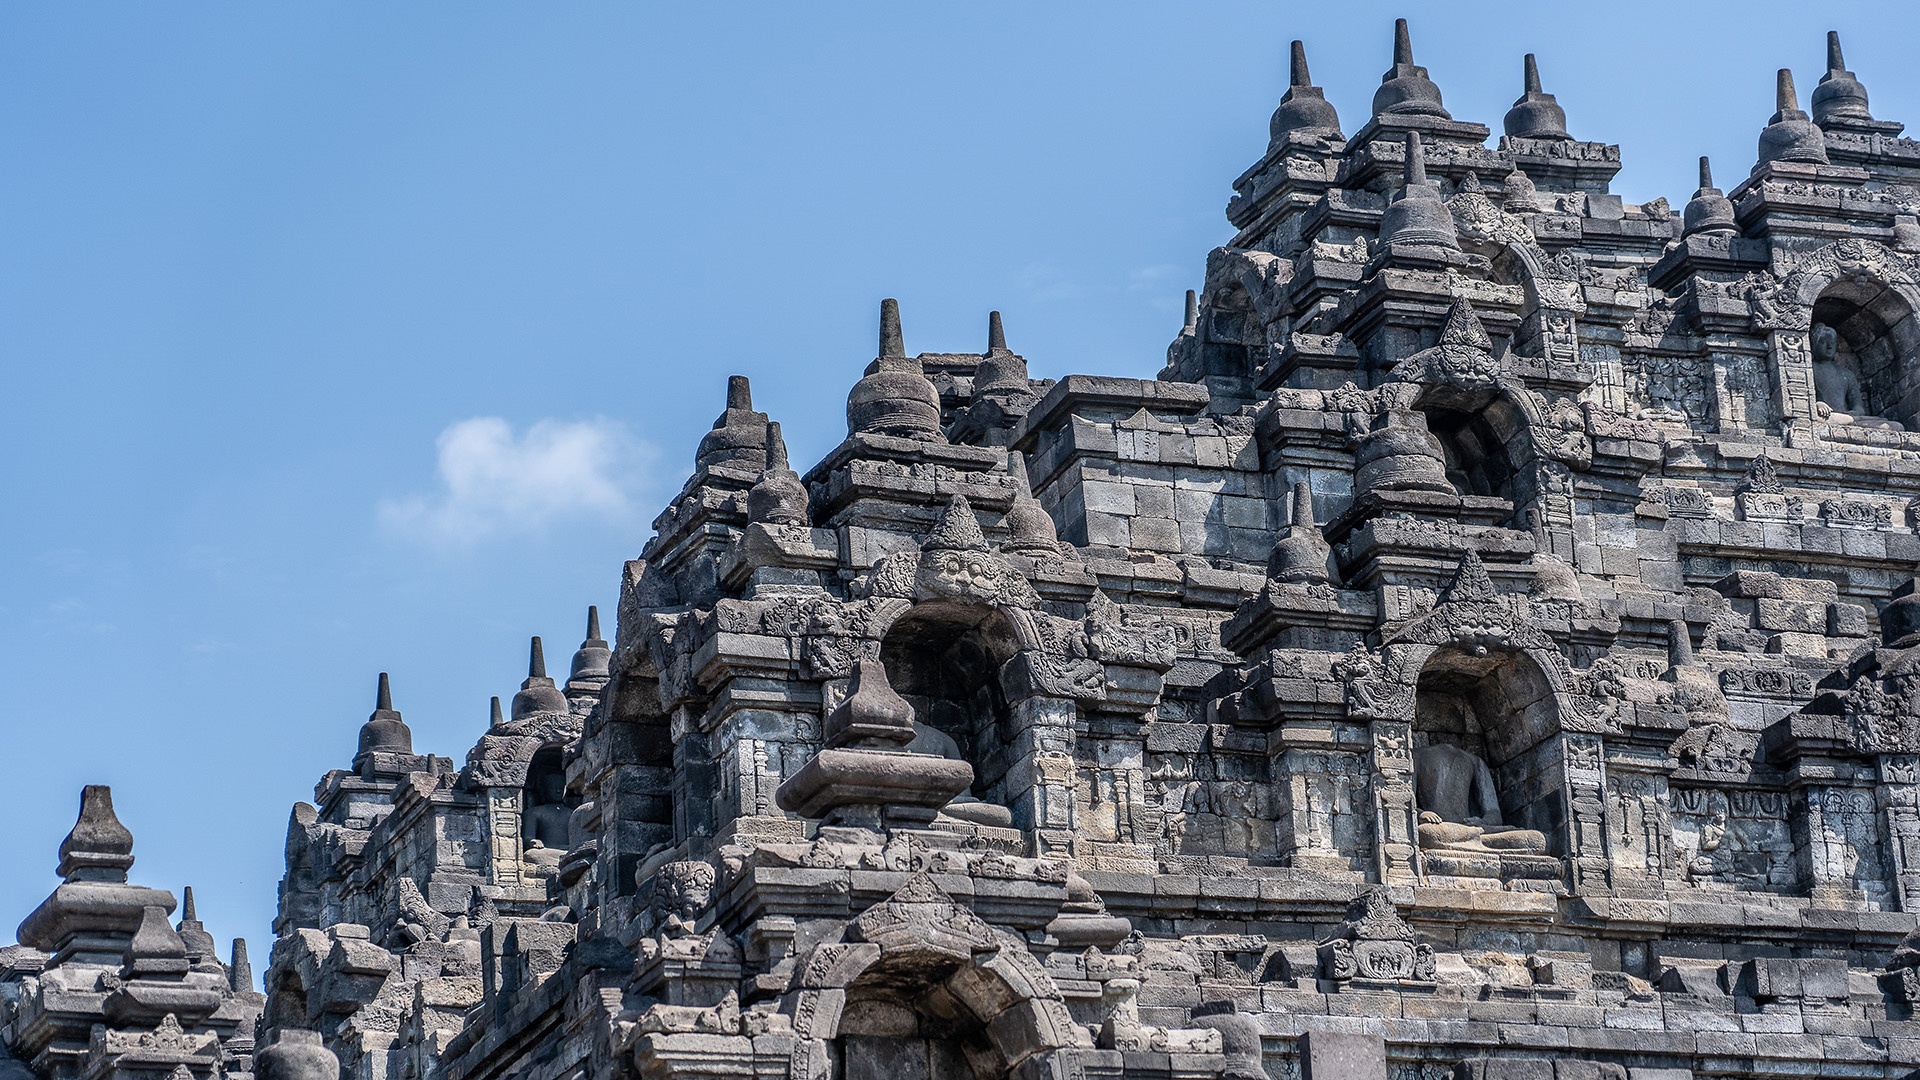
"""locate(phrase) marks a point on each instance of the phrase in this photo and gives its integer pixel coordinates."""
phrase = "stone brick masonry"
(1490, 649)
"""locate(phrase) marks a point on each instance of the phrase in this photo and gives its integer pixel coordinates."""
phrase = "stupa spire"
(1790, 135)
(1405, 89)
(1304, 108)
(1536, 115)
(1839, 97)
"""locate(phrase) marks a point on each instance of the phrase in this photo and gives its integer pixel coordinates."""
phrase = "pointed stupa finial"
(538, 694)
(956, 529)
(1415, 169)
(1536, 115)
(894, 397)
(591, 659)
(735, 438)
(1417, 216)
(1839, 97)
(1001, 372)
(1030, 529)
(1708, 211)
(495, 718)
(1301, 555)
(1192, 317)
(1405, 89)
(1790, 135)
(187, 913)
(872, 714)
(776, 451)
(996, 333)
(1304, 108)
(778, 498)
(384, 732)
(1679, 644)
(892, 342)
(98, 848)
(239, 969)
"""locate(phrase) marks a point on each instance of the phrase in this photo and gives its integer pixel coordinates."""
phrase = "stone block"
(1328, 1055)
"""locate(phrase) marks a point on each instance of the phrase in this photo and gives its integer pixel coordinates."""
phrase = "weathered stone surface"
(1490, 648)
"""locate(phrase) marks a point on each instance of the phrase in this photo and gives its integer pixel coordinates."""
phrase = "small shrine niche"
(881, 1039)
(945, 658)
(1864, 342)
(1486, 776)
(548, 809)
(1476, 450)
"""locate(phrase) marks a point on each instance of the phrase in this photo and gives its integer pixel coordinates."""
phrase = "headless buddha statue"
(1459, 808)
(928, 739)
(1836, 384)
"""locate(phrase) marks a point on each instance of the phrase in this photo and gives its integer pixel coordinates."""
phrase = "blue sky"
(345, 338)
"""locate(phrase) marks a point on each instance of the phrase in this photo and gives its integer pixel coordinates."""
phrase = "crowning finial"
(495, 717)
(1304, 107)
(98, 848)
(735, 438)
(1679, 644)
(187, 914)
(1301, 555)
(1030, 529)
(1536, 115)
(1193, 311)
(1417, 216)
(996, 333)
(778, 498)
(1708, 211)
(1790, 135)
(1405, 88)
(537, 693)
(593, 610)
(892, 343)
(1415, 170)
(384, 732)
(591, 658)
(239, 970)
(1839, 97)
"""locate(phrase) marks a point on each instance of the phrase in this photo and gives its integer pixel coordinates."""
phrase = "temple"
(1489, 649)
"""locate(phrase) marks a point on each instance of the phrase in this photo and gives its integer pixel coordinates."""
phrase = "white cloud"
(492, 481)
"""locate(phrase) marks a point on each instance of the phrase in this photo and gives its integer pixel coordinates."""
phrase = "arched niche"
(1486, 435)
(1864, 344)
(1499, 706)
(944, 657)
(547, 806)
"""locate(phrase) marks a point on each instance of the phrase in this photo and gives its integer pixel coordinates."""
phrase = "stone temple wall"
(1489, 649)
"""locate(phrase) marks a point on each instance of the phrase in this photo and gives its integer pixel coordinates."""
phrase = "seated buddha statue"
(1459, 808)
(1836, 385)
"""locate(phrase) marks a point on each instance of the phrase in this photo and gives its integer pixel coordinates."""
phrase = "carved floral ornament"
(1787, 304)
